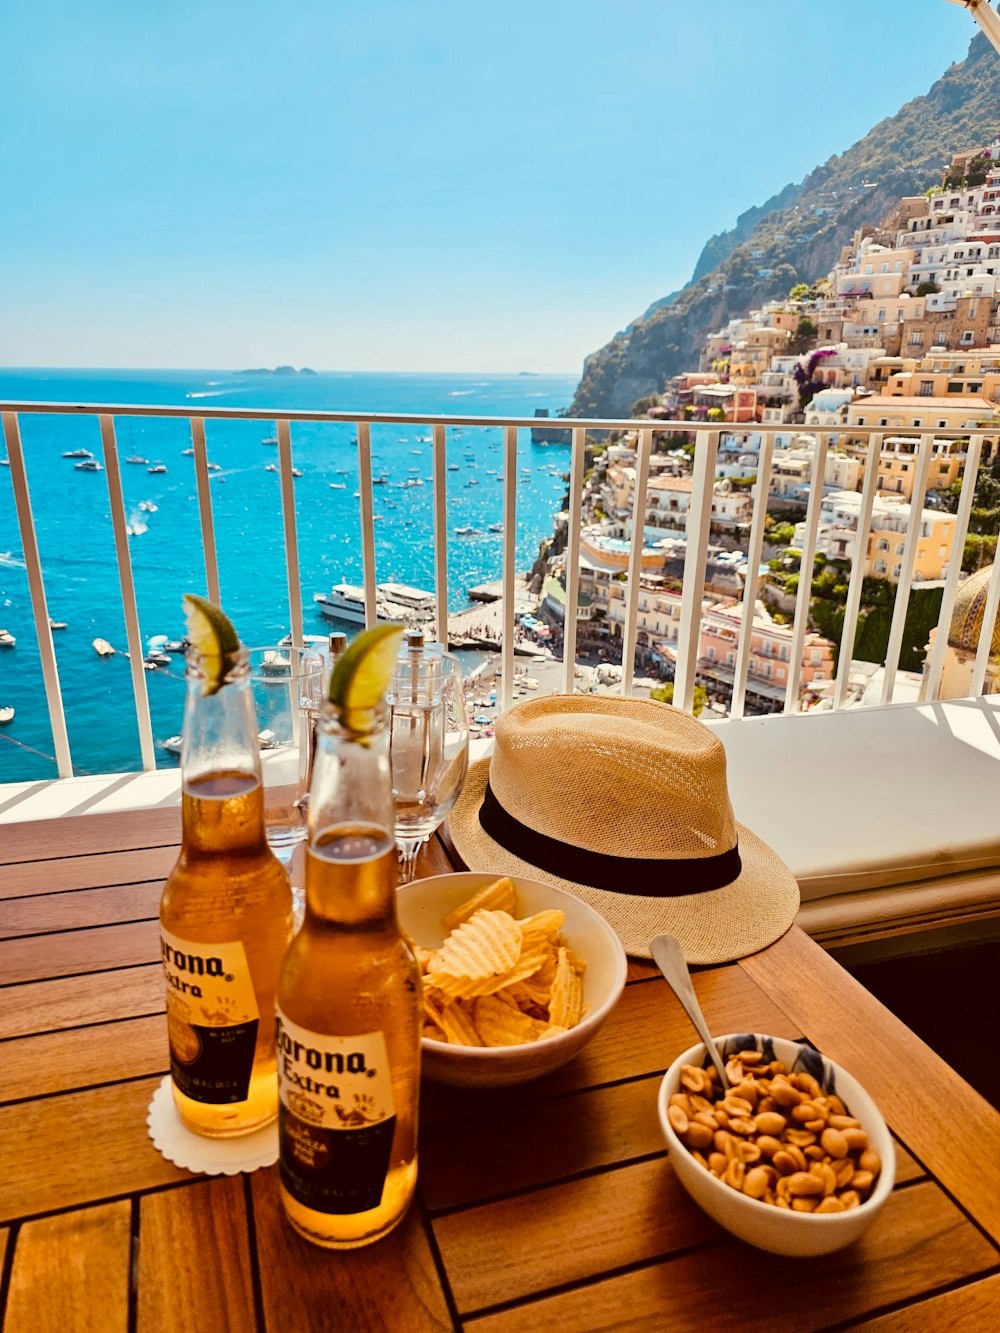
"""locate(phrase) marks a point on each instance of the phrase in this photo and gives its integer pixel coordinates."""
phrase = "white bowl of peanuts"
(517, 975)
(794, 1157)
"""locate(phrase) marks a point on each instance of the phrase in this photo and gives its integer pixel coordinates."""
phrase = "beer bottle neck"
(223, 806)
(352, 861)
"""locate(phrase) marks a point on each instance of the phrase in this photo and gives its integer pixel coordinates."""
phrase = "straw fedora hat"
(624, 803)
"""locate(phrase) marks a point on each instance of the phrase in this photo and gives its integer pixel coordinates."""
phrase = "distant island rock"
(278, 370)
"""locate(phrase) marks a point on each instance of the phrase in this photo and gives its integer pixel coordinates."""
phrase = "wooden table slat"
(969, 1309)
(83, 835)
(38, 1066)
(389, 1286)
(71, 1273)
(29, 878)
(884, 1056)
(73, 952)
(73, 1002)
(76, 910)
(194, 1260)
(96, 1146)
(920, 1241)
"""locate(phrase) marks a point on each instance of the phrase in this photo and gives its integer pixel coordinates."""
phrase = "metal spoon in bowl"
(669, 958)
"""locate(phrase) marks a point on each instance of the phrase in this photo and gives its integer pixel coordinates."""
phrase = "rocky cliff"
(798, 234)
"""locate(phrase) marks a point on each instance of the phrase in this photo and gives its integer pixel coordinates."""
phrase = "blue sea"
(75, 538)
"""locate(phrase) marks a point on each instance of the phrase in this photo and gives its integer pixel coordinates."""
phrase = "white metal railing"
(698, 532)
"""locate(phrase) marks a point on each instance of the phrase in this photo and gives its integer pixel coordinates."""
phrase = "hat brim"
(716, 926)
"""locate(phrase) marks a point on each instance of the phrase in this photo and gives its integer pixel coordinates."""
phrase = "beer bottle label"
(212, 1019)
(336, 1117)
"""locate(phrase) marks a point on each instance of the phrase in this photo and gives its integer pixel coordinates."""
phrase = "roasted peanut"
(870, 1161)
(834, 1142)
(804, 1182)
(831, 1204)
(698, 1135)
(678, 1118)
(735, 1174)
(769, 1123)
(755, 1183)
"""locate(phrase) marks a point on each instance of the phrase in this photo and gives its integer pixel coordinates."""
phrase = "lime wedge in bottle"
(212, 635)
(362, 675)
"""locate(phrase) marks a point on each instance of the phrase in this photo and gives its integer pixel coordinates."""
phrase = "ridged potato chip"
(567, 992)
(497, 897)
(499, 981)
(485, 946)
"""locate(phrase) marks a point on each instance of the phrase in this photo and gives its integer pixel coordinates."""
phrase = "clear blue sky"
(407, 184)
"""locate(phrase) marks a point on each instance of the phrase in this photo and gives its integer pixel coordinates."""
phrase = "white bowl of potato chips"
(517, 975)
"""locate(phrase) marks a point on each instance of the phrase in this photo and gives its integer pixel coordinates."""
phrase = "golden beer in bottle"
(348, 1014)
(225, 914)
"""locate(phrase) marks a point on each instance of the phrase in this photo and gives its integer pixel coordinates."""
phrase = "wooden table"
(550, 1206)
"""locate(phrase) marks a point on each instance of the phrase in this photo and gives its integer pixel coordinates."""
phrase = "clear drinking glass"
(287, 687)
(428, 746)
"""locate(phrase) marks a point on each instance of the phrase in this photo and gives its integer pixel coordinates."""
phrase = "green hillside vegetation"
(793, 238)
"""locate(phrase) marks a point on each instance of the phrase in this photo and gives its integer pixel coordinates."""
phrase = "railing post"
(696, 553)
(441, 532)
(291, 539)
(750, 582)
(575, 521)
(509, 557)
(36, 588)
(132, 631)
(367, 523)
(804, 596)
(935, 667)
(859, 559)
(902, 598)
(205, 510)
(631, 626)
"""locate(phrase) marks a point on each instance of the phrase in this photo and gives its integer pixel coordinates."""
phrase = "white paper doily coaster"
(214, 1157)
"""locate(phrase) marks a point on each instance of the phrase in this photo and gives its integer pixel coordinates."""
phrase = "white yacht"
(393, 601)
(157, 467)
(88, 465)
(78, 453)
(7, 639)
(138, 458)
(6, 715)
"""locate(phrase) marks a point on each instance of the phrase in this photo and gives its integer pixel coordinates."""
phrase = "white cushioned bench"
(888, 817)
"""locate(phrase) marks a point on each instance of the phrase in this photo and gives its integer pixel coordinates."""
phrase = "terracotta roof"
(671, 484)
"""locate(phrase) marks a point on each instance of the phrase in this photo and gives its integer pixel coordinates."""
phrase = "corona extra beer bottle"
(225, 914)
(348, 1013)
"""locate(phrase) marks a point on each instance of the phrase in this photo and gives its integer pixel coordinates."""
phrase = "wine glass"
(428, 746)
(287, 689)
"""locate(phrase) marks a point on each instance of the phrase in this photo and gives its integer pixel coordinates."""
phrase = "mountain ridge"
(796, 235)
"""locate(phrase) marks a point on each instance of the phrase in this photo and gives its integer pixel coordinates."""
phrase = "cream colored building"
(838, 526)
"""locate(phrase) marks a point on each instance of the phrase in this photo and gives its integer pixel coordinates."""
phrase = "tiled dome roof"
(967, 616)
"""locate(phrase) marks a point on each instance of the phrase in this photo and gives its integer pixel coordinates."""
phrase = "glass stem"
(408, 851)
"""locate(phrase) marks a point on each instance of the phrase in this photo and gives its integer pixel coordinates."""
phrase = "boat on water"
(148, 507)
(472, 482)
(270, 439)
(454, 467)
(468, 532)
(88, 465)
(495, 527)
(102, 648)
(4, 462)
(7, 639)
(214, 467)
(393, 601)
(380, 481)
(138, 458)
(78, 453)
(157, 467)
(338, 485)
(173, 744)
(6, 715)
(157, 659)
(275, 663)
(270, 467)
(189, 450)
(296, 472)
(57, 624)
